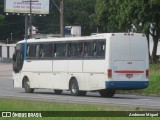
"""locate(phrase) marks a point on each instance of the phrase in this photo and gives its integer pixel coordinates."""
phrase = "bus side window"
(89, 49)
(32, 51)
(100, 46)
(75, 49)
(60, 50)
(37, 51)
(44, 50)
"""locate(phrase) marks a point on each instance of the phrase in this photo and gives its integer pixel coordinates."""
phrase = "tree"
(10, 24)
(146, 20)
(107, 16)
(138, 15)
(1, 16)
(1, 19)
(49, 23)
(78, 12)
(101, 15)
(155, 25)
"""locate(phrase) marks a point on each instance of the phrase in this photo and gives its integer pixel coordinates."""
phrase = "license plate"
(129, 76)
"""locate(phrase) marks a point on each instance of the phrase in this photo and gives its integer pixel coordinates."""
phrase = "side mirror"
(14, 57)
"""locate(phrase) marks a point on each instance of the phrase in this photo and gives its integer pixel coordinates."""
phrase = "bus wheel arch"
(26, 85)
(74, 88)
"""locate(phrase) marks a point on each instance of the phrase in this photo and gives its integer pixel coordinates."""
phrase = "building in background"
(6, 52)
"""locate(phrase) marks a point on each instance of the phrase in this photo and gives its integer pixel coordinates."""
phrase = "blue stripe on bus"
(25, 49)
(127, 84)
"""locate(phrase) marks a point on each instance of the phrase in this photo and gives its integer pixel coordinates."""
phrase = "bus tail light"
(109, 73)
(147, 73)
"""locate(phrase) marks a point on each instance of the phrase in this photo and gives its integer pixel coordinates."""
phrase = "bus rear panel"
(128, 62)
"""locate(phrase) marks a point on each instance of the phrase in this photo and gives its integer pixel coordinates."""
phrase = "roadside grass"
(154, 80)
(28, 105)
(7, 104)
(154, 83)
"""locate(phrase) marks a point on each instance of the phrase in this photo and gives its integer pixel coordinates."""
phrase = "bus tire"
(74, 88)
(107, 93)
(58, 92)
(26, 85)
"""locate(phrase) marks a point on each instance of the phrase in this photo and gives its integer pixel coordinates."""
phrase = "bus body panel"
(17, 80)
(39, 72)
(126, 56)
(128, 70)
(95, 75)
(75, 66)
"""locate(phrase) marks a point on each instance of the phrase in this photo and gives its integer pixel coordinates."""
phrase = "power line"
(56, 5)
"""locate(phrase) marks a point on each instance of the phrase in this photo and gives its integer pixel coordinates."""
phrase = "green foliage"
(108, 16)
(154, 80)
(77, 12)
(137, 16)
(12, 24)
(49, 23)
(1, 16)
(1, 19)
(145, 16)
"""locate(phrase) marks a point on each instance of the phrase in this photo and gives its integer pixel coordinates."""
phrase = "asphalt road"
(7, 90)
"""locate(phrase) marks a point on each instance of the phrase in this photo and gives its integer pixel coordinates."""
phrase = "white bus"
(104, 62)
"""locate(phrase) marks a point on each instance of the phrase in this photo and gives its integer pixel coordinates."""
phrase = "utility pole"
(61, 10)
(26, 26)
(30, 20)
(62, 18)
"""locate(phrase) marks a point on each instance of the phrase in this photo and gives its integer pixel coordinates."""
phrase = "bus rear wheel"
(58, 92)
(107, 93)
(74, 88)
(26, 84)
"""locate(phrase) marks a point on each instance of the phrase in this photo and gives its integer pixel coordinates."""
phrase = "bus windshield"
(18, 58)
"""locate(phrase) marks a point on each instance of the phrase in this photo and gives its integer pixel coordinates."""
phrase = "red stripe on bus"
(129, 71)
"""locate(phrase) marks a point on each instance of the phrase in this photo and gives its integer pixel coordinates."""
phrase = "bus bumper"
(129, 85)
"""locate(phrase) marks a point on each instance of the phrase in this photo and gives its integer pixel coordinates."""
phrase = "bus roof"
(94, 36)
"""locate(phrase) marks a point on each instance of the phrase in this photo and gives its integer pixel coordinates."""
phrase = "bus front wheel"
(26, 85)
(107, 92)
(74, 88)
